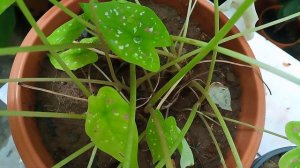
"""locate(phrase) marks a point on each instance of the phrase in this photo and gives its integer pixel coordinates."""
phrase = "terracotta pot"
(26, 134)
(270, 14)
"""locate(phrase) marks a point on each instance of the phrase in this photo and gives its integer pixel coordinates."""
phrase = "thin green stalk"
(14, 50)
(92, 157)
(169, 64)
(214, 56)
(186, 24)
(137, 1)
(74, 155)
(162, 139)
(42, 36)
(184, 130)
(72, 14)
(246, 32)
(41, 114)
(244, 58)
(246, 125)
(111, 69)
(205, 50)
(129, 155)
(94, 81)
(223, 125)
(214, 140)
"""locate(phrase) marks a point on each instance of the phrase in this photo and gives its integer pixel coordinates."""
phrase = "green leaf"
(220, 94)
(77, 57)
(107, 123)
(291, 159)
(4, 4)
(187, 158)
(67, 32)
(7, 25)
(171, 132)
(292, 131)
(131, 31)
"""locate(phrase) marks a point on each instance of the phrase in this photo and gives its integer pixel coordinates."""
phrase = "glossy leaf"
(107, 123)
(67, 32)
(220, 94)
(4, 4)
(131, 31)
(76, 58)
(292, 131)
(171, 132)
(291, 159)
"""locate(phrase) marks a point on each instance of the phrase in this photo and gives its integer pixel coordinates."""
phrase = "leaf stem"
(94, 81)
(223, 124)
(132, 140)
(74, 155)
(41, 114)
(243, 58)
(260, 27)
(14, 50)
(214, 140)
(92, 157)
(205, 50)
(42, 36)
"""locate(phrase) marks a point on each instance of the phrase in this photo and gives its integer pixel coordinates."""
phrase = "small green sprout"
(171, 132)
(131, 31)
(107, 123)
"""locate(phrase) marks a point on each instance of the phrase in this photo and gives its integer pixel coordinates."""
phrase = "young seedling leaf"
(131, 31)
(220, 94)
(291, 159)
(171, 132)
(76, 58)
(4, 4)
(292, 131)
(107, 123)
(67, 32)
(187, 158)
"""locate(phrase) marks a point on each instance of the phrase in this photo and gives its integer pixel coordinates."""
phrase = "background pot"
(266, 157)
(287, 29)
(26, 134)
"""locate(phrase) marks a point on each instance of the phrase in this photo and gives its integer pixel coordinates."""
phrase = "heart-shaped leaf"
(291, 159)
(107, 123)
(67, 32)
(76, 58)
(4, 4)
(220, 94)
(131, 31)
(292, 131)
(171, 132)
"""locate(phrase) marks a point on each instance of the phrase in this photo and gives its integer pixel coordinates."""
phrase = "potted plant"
(287, 33)
(108, 111)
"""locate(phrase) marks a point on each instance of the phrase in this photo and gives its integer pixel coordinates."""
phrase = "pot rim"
(23, 135)
(263, 32)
